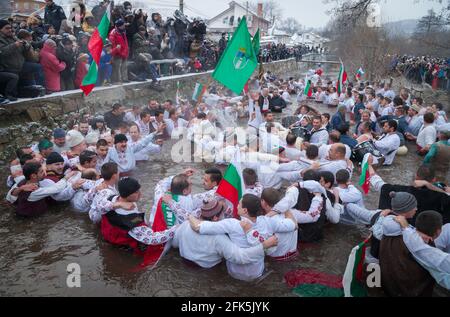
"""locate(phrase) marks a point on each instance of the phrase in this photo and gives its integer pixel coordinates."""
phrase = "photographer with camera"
(99, 10)
(156, 24)
(31, 73)
(12, 59)
(180, 26)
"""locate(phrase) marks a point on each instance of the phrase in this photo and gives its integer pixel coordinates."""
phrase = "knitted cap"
(212, 208)
(74, 138)
(45, 145)
(54, 158)
(402, 202)
(3, 23)
(128, 186)
(59, 133)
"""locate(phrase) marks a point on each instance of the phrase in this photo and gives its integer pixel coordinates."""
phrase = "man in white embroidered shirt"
(388, 145)
(319, 135)
(208, 251)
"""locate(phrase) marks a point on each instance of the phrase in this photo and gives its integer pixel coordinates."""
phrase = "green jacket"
(11, 57)
(139, 46)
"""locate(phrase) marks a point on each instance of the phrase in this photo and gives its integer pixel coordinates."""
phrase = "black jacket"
(113, 121)
(277, 103)
(67, 57)
(54, 15)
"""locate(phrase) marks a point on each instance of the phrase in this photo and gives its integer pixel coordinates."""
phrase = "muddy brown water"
(35, 253)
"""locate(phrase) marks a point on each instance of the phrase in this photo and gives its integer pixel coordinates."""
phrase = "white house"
(309, 39)
(279, 35)
(228, 20)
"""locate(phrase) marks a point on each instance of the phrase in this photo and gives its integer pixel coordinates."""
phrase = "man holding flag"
(341, 79)
(96, 44)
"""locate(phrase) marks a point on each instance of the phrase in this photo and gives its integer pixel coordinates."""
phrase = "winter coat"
(139, 45)
(116, 38)
(68, 57)
(52, 68)
(54, 15)
(11, 57)
(82, 69)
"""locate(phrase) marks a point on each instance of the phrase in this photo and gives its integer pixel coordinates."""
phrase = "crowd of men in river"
(313, 154)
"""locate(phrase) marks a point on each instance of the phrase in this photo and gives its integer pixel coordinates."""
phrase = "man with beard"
(277, 103)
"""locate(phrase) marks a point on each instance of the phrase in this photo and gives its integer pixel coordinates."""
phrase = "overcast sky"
(312, 13)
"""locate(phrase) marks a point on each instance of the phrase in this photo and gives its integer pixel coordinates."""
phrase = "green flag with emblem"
(238, 62)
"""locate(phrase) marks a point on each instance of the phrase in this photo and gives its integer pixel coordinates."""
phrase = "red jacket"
(116, 38)
(82, 70)
(52, 68)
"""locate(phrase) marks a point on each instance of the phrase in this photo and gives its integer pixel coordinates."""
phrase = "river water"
(35, 253)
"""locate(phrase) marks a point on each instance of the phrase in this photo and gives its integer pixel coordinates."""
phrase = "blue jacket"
(359, 106)
(348, 140)
(337, 120)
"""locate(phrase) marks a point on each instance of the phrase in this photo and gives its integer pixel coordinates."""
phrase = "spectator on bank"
(120, 51)
(98, 11)
(105, 69)
(66, 54)
(12, 59)
(54, 15)
(52, 67)
(81, 70)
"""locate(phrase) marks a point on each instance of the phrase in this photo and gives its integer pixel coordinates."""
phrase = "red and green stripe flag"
(364, 180)
(199, 91)
(95, 46)
(359, 73)
(354, 272)
(164, 219)
(342, 79)
(308, 90)
(232, 186)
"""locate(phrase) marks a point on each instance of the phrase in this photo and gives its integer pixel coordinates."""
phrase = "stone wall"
(28, 120)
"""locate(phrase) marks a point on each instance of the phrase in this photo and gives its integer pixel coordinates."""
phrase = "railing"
(319, 58)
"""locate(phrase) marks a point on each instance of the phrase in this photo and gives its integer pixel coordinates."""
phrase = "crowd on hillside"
(424, 69)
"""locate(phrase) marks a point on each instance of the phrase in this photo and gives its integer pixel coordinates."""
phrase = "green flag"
(256, 43)
(238, 62)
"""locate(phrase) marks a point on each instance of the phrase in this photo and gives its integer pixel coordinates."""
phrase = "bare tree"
(271, 9)
(431, 23)
(359, 45)
(291, 26)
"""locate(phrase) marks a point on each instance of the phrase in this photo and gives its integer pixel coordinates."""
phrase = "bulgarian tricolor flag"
(308, 90)
(354, 272)
(165, 219)
(364, 181)
(360, 73)
(342, 79)
(95, 46)
(199, 91)
(232, 185)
